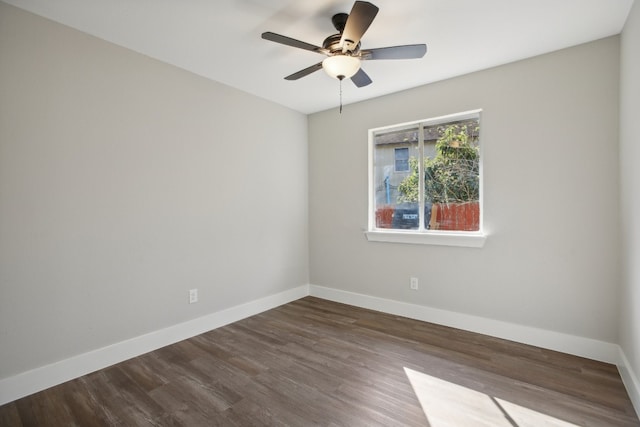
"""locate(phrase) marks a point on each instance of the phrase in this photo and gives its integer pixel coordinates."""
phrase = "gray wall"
(630, 189)
(124, 182)
(549, 141)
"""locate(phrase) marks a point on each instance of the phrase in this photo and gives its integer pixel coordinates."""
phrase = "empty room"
(331, 213)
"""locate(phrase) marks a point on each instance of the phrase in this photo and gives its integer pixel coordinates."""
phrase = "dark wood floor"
(315, 362)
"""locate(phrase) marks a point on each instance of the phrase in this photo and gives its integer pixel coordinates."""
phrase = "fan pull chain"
(340, 96)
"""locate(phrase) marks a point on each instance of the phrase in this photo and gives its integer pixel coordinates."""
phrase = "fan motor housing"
(332, 44)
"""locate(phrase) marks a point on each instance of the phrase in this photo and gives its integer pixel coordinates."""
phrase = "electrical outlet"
(193, 296)
(414, 283)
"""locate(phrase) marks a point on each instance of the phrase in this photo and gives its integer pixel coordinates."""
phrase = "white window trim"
(471, 239)
(474, 239)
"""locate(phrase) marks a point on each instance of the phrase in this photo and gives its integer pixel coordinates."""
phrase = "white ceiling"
(220, 39)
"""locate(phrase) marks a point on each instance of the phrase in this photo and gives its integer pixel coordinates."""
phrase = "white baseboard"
(579, 346)
(38, 379)
(630, 380)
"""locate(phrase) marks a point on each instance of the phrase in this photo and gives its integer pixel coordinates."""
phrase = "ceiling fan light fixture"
(341, 66)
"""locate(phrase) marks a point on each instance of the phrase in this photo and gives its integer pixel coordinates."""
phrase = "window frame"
(474, 239)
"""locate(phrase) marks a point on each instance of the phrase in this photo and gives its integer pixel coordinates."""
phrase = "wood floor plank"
(316, 362)
(9, 415)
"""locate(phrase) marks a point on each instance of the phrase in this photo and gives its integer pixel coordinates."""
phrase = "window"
(425, 180)
(402, 159)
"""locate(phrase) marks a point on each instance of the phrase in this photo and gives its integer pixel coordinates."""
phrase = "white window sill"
(443, 238)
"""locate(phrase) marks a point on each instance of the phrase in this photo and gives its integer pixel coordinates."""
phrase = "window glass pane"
(452, 175)
(394, 154)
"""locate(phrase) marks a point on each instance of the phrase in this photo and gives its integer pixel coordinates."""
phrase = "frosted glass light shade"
(341, 66)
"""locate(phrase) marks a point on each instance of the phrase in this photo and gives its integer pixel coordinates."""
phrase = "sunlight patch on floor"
(450, 405)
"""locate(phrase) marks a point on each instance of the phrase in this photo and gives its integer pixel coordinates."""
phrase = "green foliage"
(408, 188)
(452, 176)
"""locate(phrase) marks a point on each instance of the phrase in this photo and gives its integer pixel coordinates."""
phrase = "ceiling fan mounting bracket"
(339, 21)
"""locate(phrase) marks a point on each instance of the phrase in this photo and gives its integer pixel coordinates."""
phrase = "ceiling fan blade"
(361, 78)
(305, 72)
(409, 51)
(361, 16)
(291, 42)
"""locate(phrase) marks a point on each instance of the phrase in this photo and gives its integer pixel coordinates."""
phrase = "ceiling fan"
(343, 51)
